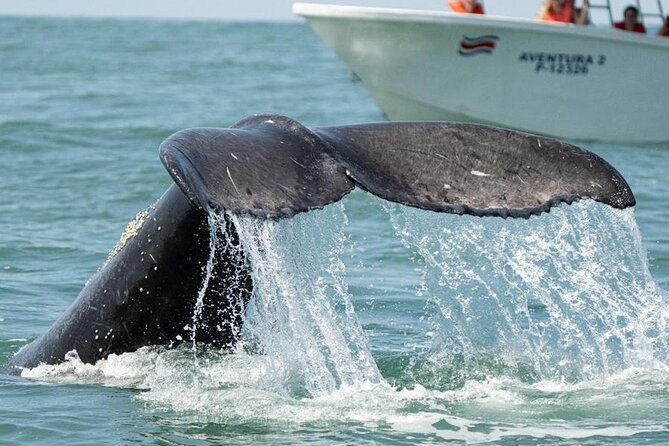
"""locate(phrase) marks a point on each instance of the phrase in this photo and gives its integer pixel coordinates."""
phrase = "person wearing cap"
(563, 11)
(466, 7)
(631, 21)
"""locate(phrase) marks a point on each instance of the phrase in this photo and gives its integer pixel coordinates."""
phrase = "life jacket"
(564, 16)
(460, 8)
(638, 28)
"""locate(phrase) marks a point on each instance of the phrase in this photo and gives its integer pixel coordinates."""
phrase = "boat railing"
(659, 13)
(606, 5)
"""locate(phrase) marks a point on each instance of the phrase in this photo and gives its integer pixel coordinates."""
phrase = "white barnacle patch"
(447, 186)
(130, 231)
(478, 173)
(539, 142)
(269, 121)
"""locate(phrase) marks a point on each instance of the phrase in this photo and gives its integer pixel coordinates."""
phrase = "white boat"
(582, 83)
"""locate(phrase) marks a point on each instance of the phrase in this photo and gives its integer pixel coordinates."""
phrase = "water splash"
(207, 272)
(300, 315)
(563, 296)
(224, 280)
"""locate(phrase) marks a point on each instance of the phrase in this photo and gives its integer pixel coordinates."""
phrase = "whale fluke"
(267, 166)
(271, 166)
(473, 169)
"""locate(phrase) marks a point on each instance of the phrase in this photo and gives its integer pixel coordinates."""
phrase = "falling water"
(565, 296)
(225, 266)
(207, 271)
(300, 315)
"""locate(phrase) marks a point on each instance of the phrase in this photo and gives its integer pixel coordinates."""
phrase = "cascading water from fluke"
(225, 262)
(566, 296)
(300, 315)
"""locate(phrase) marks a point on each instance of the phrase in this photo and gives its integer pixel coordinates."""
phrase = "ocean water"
(372, 323)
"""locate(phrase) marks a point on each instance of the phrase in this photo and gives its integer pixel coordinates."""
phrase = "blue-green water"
(440, 328)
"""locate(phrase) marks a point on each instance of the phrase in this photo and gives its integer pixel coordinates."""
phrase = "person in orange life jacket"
(563, 11)
(664, 31)
(631, 21)
(466, 7)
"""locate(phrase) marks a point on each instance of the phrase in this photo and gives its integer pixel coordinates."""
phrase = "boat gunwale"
(316, 10)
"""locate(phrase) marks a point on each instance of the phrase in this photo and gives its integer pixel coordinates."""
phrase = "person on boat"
(564, 11)
(466, 7)
(631, 21)
(583, 17)
(664, 30)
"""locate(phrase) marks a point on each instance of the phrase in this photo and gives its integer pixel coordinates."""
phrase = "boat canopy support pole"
(659, 13)
(605, 5)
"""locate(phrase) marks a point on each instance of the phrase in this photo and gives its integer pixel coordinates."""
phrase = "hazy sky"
(243, 9)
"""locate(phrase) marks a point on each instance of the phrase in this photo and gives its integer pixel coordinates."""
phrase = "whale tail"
(271, 166)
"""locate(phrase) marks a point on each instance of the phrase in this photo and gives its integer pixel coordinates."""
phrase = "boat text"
(562, 63)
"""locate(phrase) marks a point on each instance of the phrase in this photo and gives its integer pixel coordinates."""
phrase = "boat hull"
(581, 83)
